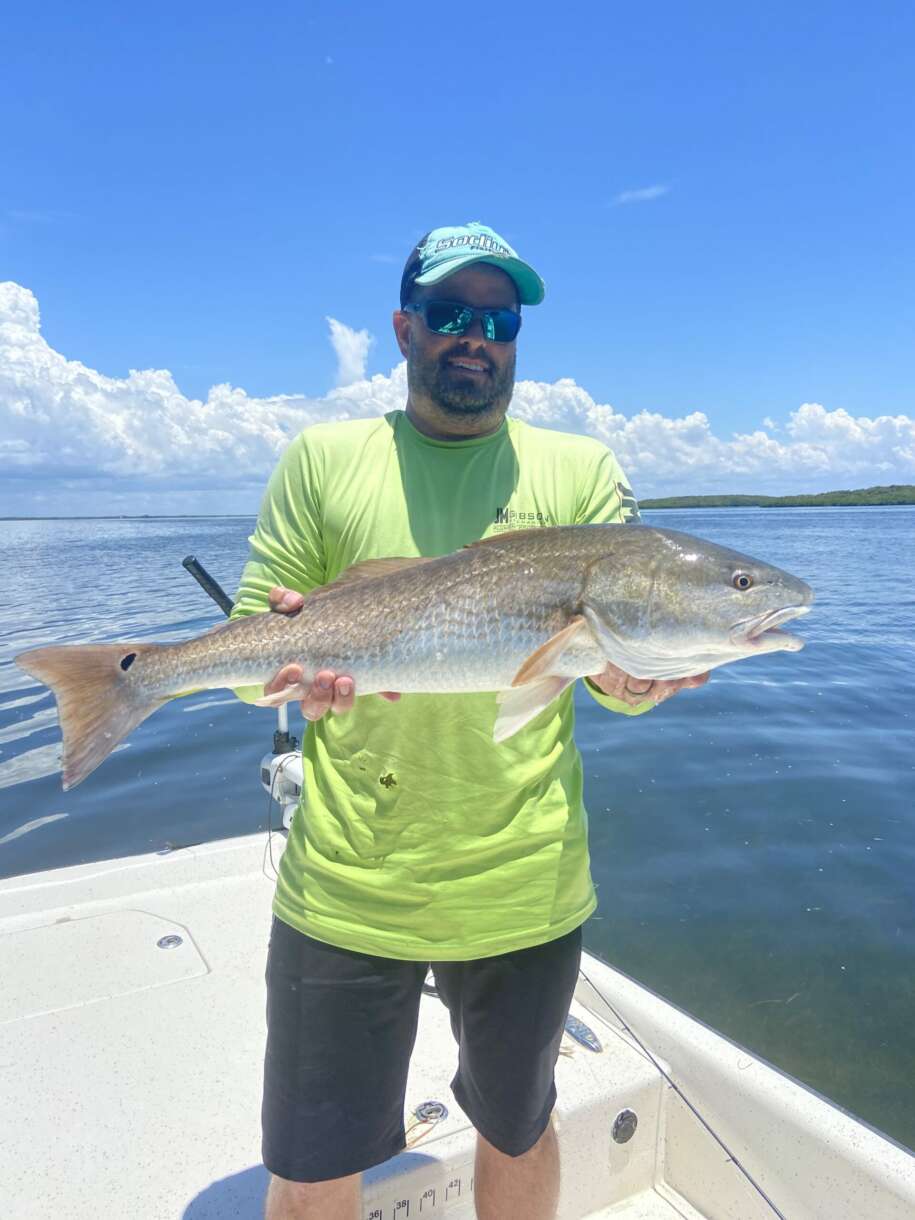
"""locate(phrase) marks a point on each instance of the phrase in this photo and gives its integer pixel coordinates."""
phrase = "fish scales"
(463, 622)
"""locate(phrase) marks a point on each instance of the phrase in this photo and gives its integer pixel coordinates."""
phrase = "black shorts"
(341, 1027)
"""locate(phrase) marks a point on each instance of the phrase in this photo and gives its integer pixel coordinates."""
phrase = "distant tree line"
(896, 493)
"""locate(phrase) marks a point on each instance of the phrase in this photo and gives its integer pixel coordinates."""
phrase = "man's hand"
(328, 691)
(620, 685)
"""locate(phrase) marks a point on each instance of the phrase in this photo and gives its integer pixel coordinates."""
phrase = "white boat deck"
(131, 1075)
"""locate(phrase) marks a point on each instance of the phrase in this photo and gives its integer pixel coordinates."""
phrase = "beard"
(457, 392)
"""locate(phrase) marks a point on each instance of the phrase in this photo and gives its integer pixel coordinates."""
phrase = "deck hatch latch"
(624, 1126)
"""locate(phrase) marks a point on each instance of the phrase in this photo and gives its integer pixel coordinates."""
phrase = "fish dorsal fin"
(540, 663)
(534, 532)
(369, 569)
(214, 630)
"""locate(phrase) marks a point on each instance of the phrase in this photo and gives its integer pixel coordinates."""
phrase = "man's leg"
(340, 1031)
(507, 1014)
(522, 1187)
(339, 1198)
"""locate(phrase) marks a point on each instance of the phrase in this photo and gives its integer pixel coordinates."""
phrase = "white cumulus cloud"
(73, 440)
(352, 348)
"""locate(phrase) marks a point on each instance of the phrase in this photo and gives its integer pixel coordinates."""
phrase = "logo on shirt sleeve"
(628, 505)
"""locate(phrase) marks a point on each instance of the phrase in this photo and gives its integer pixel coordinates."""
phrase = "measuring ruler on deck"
(450, 1194)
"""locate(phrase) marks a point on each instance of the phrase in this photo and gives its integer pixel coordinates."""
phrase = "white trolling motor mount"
(281, 770)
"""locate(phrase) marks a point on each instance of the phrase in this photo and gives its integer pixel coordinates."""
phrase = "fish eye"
(742, 580)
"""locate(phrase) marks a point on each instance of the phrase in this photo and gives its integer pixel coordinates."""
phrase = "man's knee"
(339, 1197)
(545, 1143)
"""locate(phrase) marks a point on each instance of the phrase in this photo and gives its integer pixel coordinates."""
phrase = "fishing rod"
(209, 585)
(283, 743)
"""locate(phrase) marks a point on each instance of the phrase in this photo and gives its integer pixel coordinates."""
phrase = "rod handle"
(210, 586)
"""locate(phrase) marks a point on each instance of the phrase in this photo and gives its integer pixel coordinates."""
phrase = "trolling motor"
(281, 770)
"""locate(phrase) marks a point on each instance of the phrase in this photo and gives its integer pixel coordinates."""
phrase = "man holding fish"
(444, 827)
(418, 840)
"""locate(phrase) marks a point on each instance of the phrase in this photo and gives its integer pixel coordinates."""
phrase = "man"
(419, 840)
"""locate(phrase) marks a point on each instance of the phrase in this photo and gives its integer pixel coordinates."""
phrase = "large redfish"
(522, 614)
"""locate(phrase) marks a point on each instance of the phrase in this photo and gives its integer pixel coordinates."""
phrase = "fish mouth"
(763, 628)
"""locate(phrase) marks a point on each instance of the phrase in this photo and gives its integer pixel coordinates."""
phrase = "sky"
(205, 210)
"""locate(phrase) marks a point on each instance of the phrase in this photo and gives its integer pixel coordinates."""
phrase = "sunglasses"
(453, 318)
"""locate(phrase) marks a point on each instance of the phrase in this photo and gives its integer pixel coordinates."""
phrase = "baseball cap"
(443, 251)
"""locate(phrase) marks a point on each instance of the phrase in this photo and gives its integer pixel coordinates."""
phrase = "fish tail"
(97, 704)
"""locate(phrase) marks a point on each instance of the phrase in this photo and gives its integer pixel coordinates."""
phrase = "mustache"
(465, 354)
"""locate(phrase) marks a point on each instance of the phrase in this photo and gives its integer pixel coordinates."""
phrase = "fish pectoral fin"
(543, 661)
(535, 685)
(297, 691)
(522, 703)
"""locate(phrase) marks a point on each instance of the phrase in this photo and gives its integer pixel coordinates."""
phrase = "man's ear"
(402, 323)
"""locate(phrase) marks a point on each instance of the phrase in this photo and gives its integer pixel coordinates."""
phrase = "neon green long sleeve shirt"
(417, 836)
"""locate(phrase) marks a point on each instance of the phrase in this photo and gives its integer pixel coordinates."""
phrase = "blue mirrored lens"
(504, 324)
(446, 318)
(452, 318)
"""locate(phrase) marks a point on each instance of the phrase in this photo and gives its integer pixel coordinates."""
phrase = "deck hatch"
(82, 961)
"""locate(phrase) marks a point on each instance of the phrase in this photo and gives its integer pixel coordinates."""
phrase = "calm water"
(753, 842)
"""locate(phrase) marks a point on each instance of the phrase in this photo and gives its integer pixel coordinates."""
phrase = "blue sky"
(719, 198)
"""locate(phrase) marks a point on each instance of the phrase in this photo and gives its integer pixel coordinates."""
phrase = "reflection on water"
(753, 842)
